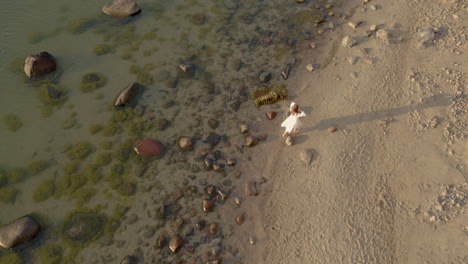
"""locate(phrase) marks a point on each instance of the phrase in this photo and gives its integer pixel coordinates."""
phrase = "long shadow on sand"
(342, 122)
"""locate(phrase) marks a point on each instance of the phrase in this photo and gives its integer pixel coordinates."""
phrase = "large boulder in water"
(148, 147)
(19, 231)
(82, 227)
(121, 8)
(125, 97)
(39, 65)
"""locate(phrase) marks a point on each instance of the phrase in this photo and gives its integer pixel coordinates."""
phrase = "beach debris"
(354, 25)
(285, 72)
(310, 67)
(213, 123)
(126, 96)
(176, 243)
(129, 260)
(213, 228)
(352, 60)
(185, 67)
(373, 7)
(39, 65)
(231, 162)
(289, 141)
(348, 42)
(250, 188)
(313, 45)
(270, 115)
(426, 37)
(121, 8)
(240, 219)
(148, 147)
(270, 95)
(265, 76)
(186, 143)
(251, 141)
(237, 201)
(252, 240)
(208, 205)
(306, 156)
(223, 195)
(332, 129)
(19, 231)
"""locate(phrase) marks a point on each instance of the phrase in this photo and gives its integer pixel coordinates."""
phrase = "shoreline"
(375, 190)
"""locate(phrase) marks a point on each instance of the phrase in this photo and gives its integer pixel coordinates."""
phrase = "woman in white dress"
(292, 123)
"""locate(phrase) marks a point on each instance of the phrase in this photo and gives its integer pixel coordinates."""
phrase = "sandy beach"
(390, 185)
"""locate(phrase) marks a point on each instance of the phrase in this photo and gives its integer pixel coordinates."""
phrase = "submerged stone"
(19, 231)
(126, 96)
(148, 147)
(39, 65)
(82, 227)
(121, 8)
(176, 243)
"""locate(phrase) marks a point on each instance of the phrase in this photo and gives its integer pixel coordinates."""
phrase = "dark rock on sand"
(286, 71)
(251, 141)
(176, 243)
(240, 219)
(213, 228)
(162, 124)
(306, 156)
(19, 231)
(265, 76)
(271, 115)
(126, 96)
(39, 65)
(213, 123)
(212, 139)
(161, 242)
(250, 188)
(129, 260)
(121, 8)
(208, 205)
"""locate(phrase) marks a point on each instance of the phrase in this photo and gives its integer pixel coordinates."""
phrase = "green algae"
(123, 152)
(3, 177)
(143, 74)
(16, 175)
(80, 25)
(71, 167)
(102, 49)
(112, 129)
(37, 166)
(8, 194)
(83, 195)
(52, 97)
(71, 122)
(80, 151)
(12, 122)
(92, 81)
(11, 258)
(43, 191)
(50, 254)
(91, 224)
(35, 37)
(106, 145)
(95, 128)
(104, 159)
(93, 172)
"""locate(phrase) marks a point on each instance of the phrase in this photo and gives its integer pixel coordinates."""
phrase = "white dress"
(293, 122)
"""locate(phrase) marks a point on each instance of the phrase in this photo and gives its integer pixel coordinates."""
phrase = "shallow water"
(213, 35)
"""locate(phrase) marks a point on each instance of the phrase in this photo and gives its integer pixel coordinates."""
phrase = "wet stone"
(208, 205)
(227, 182)
(251, 141)
(212, 139)
(250, 188)
(213, 228)
(176, 243)
(200, 225)
(231, 162)
(332, 129)
(161, 242)
(271, 115)
(243, 128)
(213, 123)
(121, 8)
(19, 231)
(129, 260)
(240, 219)
(265, 76)
(289, 141)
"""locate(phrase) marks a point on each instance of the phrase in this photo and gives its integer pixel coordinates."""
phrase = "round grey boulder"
(121, 8)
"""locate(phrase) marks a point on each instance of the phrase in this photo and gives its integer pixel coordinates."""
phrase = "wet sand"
(390, 185)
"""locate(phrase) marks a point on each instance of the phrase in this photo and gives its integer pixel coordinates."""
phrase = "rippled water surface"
(76, 157)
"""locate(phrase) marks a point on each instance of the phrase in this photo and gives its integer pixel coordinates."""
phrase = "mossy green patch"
(123, 152)
(80, 151)
(80, 25)
(35, 37)
(92, 81)
(11, 258)
(83, 195)
(102, 49)
(104, 159)
(16, 175)
(106, 145)
(82, 227)
(71, 167)
(95, 128)
(50, 254)
(112, 129)
(8, 194)
(3, 177)
(93, 172)
(12, 122)
(43, 191)
(37, 166)
(71, 122)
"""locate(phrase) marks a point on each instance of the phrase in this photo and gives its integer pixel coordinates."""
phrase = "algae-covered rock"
(12, 122)
(11, 258)
(80, 151)
(37, 167)
(270, 95)
(8, 194)
(92, 81)
(51, 254)
(44, 191)
(80, 228)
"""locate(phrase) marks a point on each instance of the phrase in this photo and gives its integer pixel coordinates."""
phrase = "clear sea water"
(229, 42)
